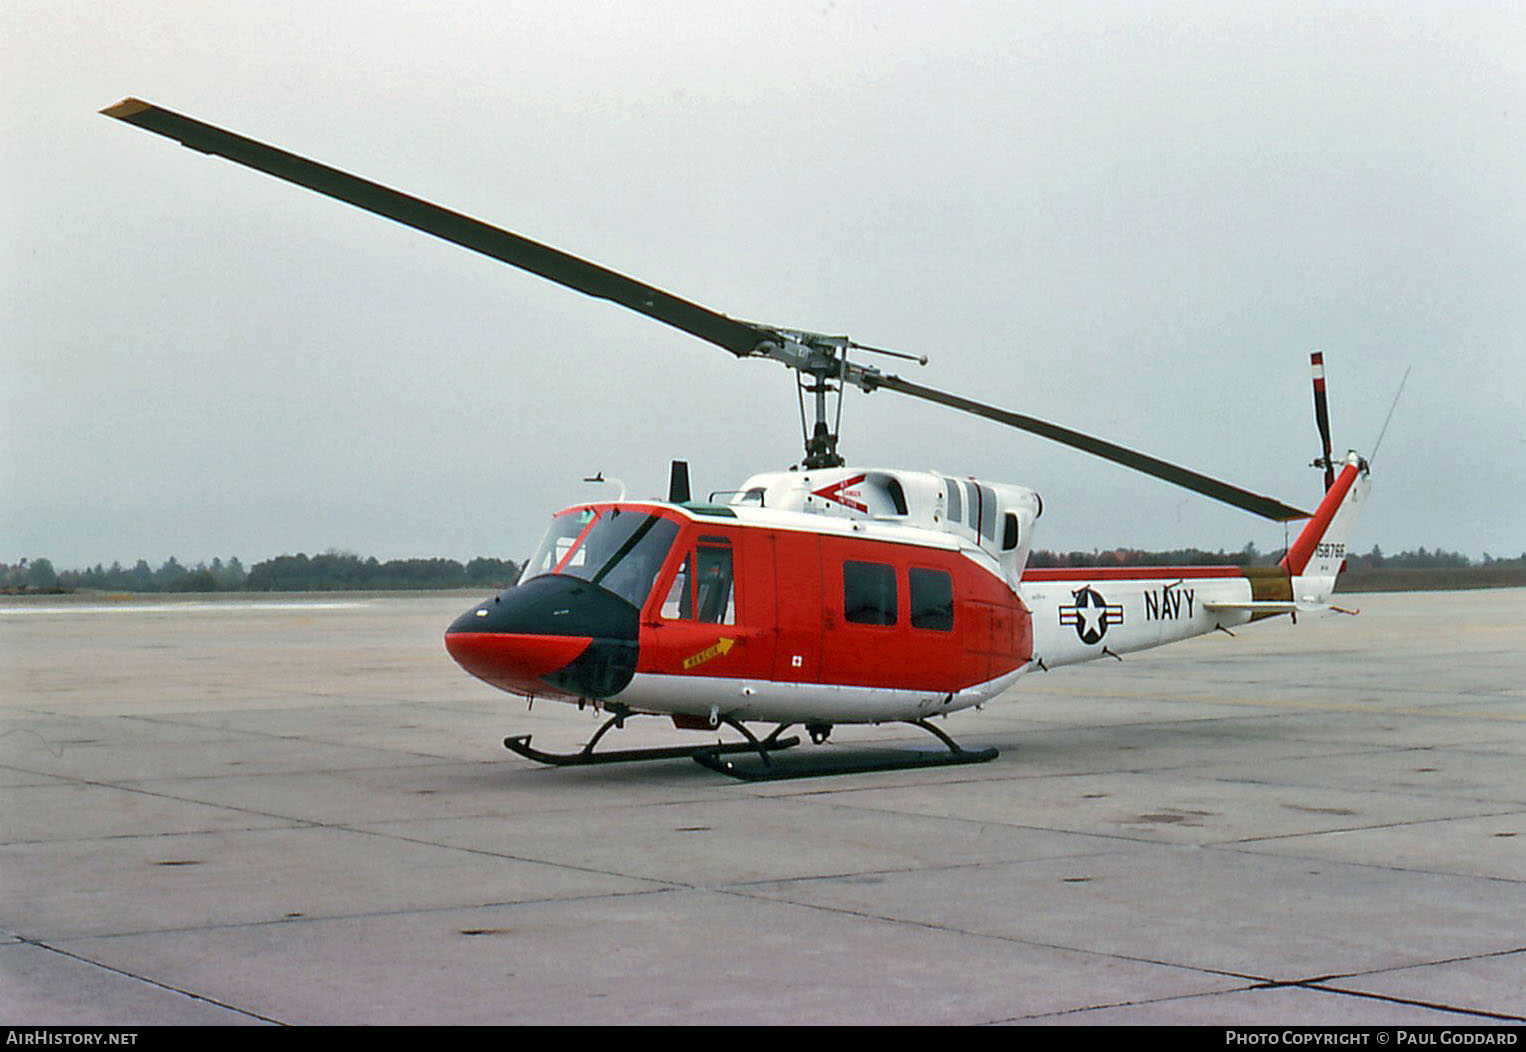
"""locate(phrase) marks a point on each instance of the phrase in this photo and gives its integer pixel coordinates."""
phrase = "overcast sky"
(1129, 218)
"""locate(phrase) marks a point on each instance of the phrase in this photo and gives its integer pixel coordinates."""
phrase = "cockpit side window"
(679, 605)
(704, 589)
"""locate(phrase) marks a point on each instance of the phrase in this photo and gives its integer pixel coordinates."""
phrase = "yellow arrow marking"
(722, 646)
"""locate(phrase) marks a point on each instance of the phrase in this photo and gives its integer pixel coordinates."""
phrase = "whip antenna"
(1390, 415)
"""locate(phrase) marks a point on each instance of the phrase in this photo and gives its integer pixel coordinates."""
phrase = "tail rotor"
(1322, 417)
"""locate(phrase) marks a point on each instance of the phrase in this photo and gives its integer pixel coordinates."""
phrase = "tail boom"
(1080, 614)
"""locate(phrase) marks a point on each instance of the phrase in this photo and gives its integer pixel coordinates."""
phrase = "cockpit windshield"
(618, 550)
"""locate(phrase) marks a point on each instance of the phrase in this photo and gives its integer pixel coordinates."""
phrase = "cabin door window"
(868, 593)
(704, 589)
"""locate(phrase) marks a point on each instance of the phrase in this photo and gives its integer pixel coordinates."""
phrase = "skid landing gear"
(586, 756)
(763, 767)
(757, 760)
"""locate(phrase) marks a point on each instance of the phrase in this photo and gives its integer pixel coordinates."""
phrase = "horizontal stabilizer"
(1269, 606)
(1273, 606)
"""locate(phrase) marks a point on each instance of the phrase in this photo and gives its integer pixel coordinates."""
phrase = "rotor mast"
(821, 442)
(820, 364)
(822, 370)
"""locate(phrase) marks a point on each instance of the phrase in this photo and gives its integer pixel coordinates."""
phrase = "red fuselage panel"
(797, 614)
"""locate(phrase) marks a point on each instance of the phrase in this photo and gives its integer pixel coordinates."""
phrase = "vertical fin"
(1320, 550)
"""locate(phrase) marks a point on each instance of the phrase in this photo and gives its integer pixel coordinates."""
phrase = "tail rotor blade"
(1322, 416)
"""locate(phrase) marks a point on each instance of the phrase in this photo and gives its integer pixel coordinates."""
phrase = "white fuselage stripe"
(785, 702)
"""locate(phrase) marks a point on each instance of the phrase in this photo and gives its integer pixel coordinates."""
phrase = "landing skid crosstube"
(758, 759)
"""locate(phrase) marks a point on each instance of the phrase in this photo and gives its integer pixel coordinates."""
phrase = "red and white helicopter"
(825, 594)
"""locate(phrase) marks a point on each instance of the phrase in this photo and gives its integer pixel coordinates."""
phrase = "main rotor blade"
(735, 336)
(742, 339)
(1254, 503)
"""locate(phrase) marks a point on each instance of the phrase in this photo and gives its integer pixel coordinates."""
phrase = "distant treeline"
(1248, 556)
(343, 571)
(329, 572)
(1420, 559)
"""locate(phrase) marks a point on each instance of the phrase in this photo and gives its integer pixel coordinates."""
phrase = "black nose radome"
(566, 608)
